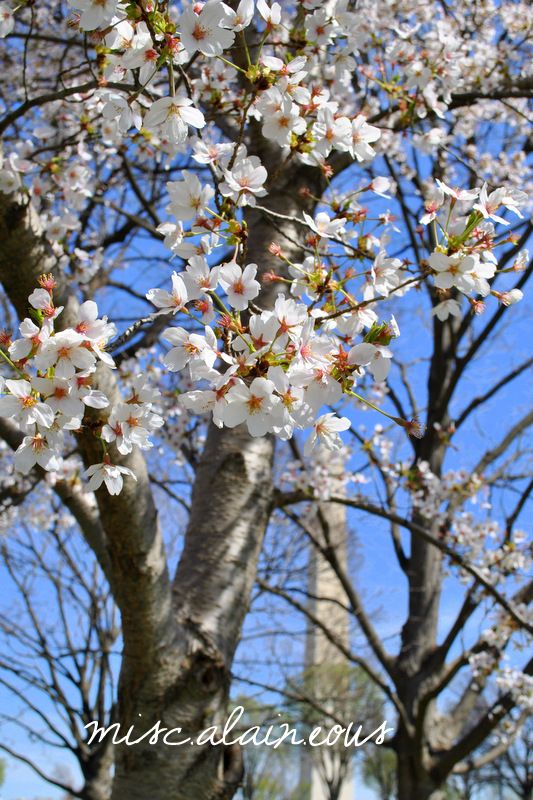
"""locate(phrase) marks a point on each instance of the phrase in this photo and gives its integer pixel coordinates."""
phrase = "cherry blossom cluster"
(136, 44)
(490, 657)
(294, 113)
(465, 258)
(482, 540)
(420, 79)
(277, 347)
(51, 390)
(519, 685)
(59, 190)
(277, 371)
(282, 366)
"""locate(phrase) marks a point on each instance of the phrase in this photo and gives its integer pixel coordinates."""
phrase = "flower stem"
(11, 364)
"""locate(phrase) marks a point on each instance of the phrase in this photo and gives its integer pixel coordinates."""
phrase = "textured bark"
(425, 562)
(23, 252)
(418, 790)
(412, 776)
(97, 773)
(211, 590)
(414, 781)
(414, 668)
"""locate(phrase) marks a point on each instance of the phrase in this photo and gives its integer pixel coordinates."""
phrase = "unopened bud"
(521, 261)
(478, 306)
(275, 249)
(509, 298)
(202, 305)
(230, 324)
(269, 277)
(47, 281)
(380, 184)
(172, 43)
(414, 428)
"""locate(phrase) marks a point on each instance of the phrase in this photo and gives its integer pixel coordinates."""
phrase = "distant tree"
(58, 639)
(328, 694)
(503, 771)
(379, 772)
(514, 768)
(269, 774)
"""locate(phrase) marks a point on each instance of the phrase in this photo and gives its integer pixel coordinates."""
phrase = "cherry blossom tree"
(200, 267)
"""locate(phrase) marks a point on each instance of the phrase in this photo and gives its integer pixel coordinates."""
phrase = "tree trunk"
(97, 773)
(425, 576)
(415, 783)
(230, 509)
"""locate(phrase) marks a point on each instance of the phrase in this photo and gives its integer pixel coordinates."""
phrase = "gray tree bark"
(97, 773)
(424, 574)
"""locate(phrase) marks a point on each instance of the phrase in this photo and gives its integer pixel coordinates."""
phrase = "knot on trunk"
(232, 770)
(210, 672)
(14, 215)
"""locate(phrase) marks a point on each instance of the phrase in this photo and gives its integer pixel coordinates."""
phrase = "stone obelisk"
(326, 773)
